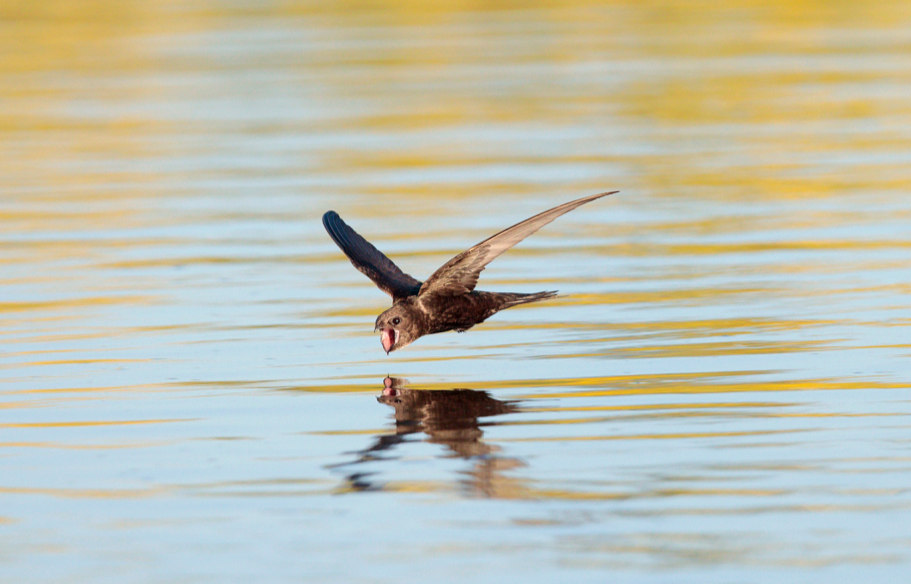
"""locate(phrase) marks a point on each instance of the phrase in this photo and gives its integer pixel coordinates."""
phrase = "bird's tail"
(512, 299)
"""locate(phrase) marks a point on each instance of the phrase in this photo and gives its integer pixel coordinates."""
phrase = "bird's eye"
(396, 321)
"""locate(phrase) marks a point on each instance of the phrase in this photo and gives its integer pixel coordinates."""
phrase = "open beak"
(389, 337)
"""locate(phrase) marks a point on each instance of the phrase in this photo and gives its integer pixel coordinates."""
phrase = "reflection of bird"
(447, 300)
(449, 417)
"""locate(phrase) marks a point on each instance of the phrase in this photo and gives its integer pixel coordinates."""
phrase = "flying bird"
(447, 300)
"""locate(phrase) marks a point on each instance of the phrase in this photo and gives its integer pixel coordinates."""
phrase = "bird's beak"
(389, 337)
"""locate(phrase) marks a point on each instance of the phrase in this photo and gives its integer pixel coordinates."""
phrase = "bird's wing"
(460, 274)
(369, 260)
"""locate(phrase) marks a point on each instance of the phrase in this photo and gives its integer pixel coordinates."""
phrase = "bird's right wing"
(369, 260)
(460, 274)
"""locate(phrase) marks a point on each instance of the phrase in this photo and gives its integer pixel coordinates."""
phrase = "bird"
(447, 300)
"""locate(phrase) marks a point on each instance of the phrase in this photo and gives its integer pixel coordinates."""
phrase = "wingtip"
(590, 198)
(333, 224)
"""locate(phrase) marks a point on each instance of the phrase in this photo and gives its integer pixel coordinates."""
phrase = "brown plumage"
(447, 300)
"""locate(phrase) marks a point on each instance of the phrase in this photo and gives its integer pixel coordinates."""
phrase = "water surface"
(190, 387)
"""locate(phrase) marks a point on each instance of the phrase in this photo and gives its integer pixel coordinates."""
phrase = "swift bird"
(447, 300)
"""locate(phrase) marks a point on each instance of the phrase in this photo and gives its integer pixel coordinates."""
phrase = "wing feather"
(460, 274)
(369, 260)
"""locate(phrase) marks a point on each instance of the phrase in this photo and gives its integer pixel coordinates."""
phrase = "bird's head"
(397, 327)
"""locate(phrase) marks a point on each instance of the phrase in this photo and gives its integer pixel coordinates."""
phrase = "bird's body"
(460, 313)
(447, 300)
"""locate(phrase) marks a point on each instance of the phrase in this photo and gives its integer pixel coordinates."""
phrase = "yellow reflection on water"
(719, 387)
(85, 423)
(85, 493)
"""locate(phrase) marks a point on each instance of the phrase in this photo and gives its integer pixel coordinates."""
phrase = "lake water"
(191, 389)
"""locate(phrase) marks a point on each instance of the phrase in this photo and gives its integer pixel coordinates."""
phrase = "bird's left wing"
(369, 260)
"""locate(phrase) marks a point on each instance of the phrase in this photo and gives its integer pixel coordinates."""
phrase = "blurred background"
(190, 388)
